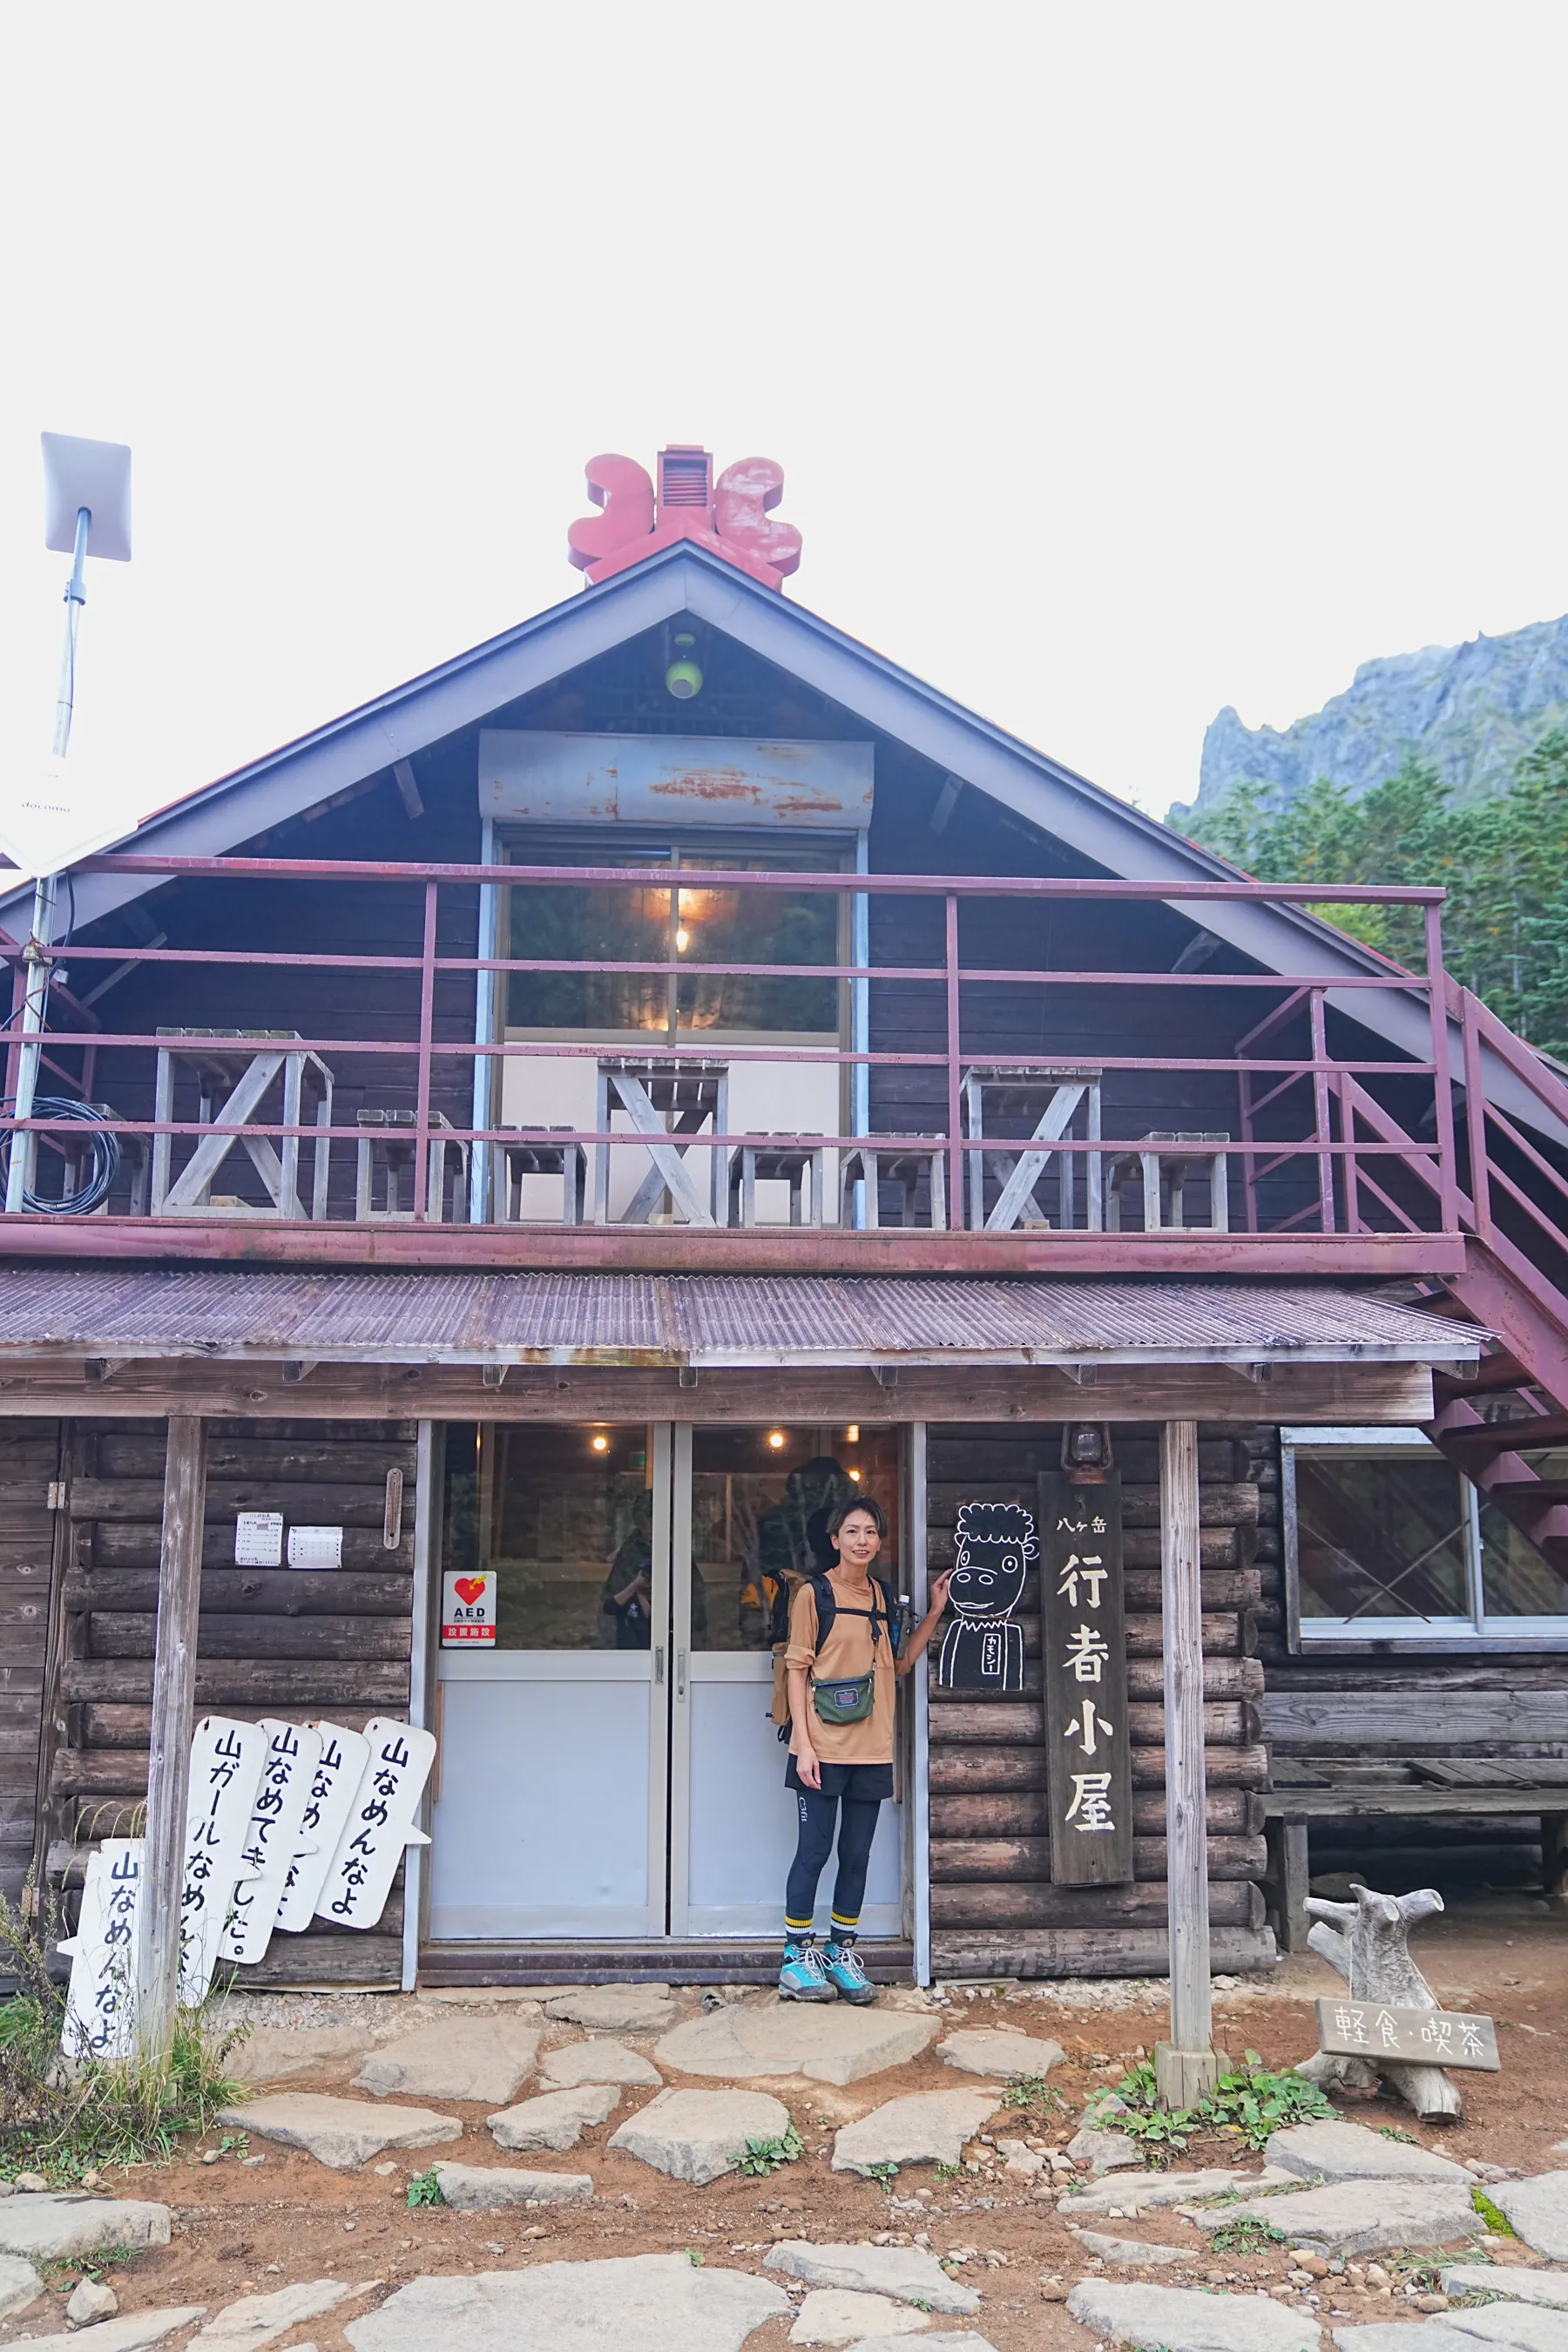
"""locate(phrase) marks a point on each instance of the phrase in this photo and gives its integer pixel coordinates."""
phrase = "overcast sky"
(1123, 360)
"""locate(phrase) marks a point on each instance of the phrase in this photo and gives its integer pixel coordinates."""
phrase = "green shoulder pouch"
(848, 1700)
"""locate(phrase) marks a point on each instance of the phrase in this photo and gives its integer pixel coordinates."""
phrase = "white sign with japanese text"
(469, 1609)
(339, 1769)
(227, 1763)
(100, 1998)
(272, 1839)
(259, 1539)
(380, 1825)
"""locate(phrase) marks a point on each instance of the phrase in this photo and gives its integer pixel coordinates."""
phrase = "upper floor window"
(1387, 1541)
(598, 924)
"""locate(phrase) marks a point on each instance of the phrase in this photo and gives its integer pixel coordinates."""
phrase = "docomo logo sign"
(469, 1609)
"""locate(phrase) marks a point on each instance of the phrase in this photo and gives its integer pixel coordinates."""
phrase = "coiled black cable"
(105, 1157)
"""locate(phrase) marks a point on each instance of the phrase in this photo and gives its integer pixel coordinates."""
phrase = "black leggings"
(857, 1831)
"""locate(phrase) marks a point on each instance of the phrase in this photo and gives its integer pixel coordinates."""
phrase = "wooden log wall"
(993, 1908)
(272, 1641)
(29, 1463)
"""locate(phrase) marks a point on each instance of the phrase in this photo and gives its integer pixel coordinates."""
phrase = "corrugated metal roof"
(702, 1319)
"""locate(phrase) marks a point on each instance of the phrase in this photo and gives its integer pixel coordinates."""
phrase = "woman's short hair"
(866, 1502)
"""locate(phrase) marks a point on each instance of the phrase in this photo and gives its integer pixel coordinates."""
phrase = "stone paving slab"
(1537, 2210)
(268, 2053)
(1134, 2252)
(137, 2332)
(840, 2044)
(908, 2273)
(837, 2315)
(1102, 2151)
(998, 2051)
(50, 2228)
(942, 2342)
(1346, 2151)
(1146, 2192)
(1520, 2285)
(597, 2060)
(697, 2136)
(635, 2303)
(1359, 2217)
(256, 2319)
(19, 2285)
(1513, 2326)
(341, 2133)
(557, 2119)
(1181, 2320)
(927, 2128)
(616, 2008)
(454, 2058)
(491, 2189)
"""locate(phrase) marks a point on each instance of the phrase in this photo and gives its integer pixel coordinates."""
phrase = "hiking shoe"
(802, 1976)
(846, 1971)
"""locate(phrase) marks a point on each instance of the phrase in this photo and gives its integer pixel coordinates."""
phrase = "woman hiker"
(841, 1745)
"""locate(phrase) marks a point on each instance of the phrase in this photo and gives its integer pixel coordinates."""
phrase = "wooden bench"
(1417, 1753)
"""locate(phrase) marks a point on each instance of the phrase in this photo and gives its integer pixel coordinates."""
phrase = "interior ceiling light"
(775, 1439)
(600, 1444)
(852, 1434)
(683, 679)
(682, 939)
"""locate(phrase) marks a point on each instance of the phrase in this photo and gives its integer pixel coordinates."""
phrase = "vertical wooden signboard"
(1084, 1670)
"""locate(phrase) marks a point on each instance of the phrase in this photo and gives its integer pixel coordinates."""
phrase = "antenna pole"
(36, 955)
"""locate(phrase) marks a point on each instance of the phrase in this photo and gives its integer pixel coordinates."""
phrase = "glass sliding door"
(749, 1508)
(551, 1814)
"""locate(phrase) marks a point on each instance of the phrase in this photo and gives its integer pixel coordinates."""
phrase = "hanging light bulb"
(682, 939)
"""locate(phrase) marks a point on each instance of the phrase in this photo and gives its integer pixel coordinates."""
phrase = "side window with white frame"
(1387, 1541)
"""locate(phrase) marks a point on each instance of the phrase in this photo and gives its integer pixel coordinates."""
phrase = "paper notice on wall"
(101, 2000)
(227, 1761)
(340, 1768)
(380, 1825)
(259, 1539)
(315, 1546)
(272, 1839)
(469, 1609)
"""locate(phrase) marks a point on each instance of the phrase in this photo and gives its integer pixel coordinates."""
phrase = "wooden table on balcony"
(664, 1099)
(1050, 1100)
(235, 1070)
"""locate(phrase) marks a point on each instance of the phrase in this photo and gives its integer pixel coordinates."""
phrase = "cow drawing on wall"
(983, 1649)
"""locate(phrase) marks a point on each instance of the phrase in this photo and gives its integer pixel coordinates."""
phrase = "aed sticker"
(469, 1609)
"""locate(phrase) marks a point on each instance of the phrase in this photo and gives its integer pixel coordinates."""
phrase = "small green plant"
(425, 2189)
(1494, 2217)
(945, 2171)
(765, 2156)
(1396, 2131)
(1253, 2102)
(234, 2144)
(99, 2113)
(695, 2258)
(1247, 2235)
(59, 2277)
(884, 2175)
(1034, 2094)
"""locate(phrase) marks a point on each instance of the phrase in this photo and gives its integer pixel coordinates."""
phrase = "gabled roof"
(686, 579)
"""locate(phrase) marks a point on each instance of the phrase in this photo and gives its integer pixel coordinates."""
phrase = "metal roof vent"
(685, 476)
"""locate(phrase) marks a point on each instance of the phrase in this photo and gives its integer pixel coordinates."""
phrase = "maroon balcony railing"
(1287, 1116)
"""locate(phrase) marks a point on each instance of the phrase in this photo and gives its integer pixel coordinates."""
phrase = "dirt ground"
(248, 2230)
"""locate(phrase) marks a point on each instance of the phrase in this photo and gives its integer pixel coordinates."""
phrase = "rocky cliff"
(1469, 710)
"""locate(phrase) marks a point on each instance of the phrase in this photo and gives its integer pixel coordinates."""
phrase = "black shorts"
(862, 1784)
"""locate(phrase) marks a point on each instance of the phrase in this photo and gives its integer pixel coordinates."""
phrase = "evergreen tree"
(1504, 864)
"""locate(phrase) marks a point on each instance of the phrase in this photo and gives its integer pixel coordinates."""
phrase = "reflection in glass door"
(749, 1519)
(552, 1809)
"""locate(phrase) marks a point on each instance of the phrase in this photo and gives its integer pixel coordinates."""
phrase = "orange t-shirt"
(846, 1652)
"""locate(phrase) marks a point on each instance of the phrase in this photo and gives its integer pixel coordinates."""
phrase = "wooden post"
(1186, 2065)
(169, 1770)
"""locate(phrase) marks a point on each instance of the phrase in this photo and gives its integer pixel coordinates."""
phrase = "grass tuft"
(62, 2120)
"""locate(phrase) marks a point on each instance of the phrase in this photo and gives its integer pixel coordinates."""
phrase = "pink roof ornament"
(733, 517)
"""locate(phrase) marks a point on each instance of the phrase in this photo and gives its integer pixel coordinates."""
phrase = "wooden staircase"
(1516, 1257)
